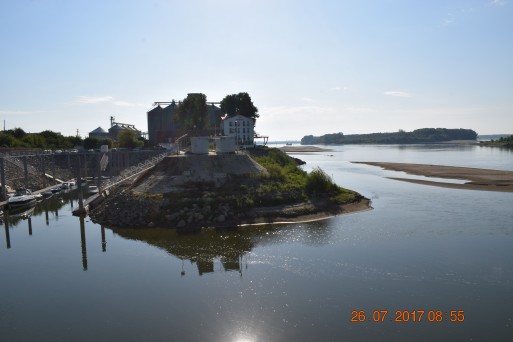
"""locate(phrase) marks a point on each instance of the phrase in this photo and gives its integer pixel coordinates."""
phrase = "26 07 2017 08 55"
(406, 316)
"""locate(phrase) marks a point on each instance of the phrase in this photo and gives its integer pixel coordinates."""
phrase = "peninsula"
(256, 186)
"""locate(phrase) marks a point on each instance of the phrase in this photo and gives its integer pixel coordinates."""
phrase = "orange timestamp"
(407, 316)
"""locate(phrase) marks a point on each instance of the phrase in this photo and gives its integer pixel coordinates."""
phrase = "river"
(442, 254)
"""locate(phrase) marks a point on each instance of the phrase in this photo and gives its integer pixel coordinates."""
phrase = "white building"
(241, 128)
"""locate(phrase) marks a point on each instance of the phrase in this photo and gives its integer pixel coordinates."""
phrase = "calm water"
(420, 248)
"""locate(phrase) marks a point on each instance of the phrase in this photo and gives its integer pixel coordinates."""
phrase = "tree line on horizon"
(18, 138)
(418, 136)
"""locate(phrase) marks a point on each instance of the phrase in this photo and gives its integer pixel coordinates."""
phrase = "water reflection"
(229, 249)
(104, 242)
(83, 243)
(7, 237)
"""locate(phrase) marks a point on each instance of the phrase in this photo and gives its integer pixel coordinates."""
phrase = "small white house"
(241, 128)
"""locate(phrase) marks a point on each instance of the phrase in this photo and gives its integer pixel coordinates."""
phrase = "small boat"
(21, 198)
(56, 189)
(67, 185)
(47, 194)
(92, 189)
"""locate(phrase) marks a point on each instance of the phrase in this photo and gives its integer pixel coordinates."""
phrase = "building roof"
(236, 117)
(98, 130)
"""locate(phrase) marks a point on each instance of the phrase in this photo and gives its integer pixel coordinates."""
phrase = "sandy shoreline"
(478, 179)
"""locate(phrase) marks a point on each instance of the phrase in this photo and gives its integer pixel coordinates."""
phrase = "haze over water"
(420, 248)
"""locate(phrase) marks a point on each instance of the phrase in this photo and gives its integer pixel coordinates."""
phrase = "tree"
(34, 140)
(128, 139)
(239, 104)
(192, 113)
(18, 133)
(91, 143)
(6, 140)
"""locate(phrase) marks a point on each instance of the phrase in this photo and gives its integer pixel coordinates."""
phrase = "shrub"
(319, 181)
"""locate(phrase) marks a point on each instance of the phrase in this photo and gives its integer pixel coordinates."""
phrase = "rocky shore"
(130, 210)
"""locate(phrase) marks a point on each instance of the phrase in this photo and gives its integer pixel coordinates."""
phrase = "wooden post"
(79, 185)
(25, 169)
(53, 168)
(85, 166)
(43, 168)
(99, 169)
(2, 172)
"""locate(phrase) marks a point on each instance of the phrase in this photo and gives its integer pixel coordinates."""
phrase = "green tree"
(34, 140)
(239, 104)
(18, 133)
(128, 139)
(6, 140)
(74, 140)
(192, 113)
(91, 143)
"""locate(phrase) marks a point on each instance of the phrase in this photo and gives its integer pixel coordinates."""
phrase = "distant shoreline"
(478, 179)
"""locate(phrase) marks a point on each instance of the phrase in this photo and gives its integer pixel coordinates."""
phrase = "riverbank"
(478, 179)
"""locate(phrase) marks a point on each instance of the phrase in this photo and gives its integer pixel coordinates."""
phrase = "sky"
(311, 67)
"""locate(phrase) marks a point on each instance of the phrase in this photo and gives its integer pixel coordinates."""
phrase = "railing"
(133, 171)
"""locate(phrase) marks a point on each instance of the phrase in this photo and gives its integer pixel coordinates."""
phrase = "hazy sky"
(311, 67)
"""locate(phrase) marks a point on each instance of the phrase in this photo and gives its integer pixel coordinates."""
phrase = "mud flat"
(477, 179)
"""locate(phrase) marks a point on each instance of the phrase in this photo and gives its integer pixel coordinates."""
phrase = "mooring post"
(43, 168)
(25, 169)
(2, 172)
(85, 167)
(99, 169)
(53, 169)
(79, 185)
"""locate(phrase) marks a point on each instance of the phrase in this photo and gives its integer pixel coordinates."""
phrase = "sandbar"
(303, 149)
(477, 179)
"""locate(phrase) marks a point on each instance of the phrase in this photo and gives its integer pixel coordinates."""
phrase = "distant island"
(501, 142)
(418, 136)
